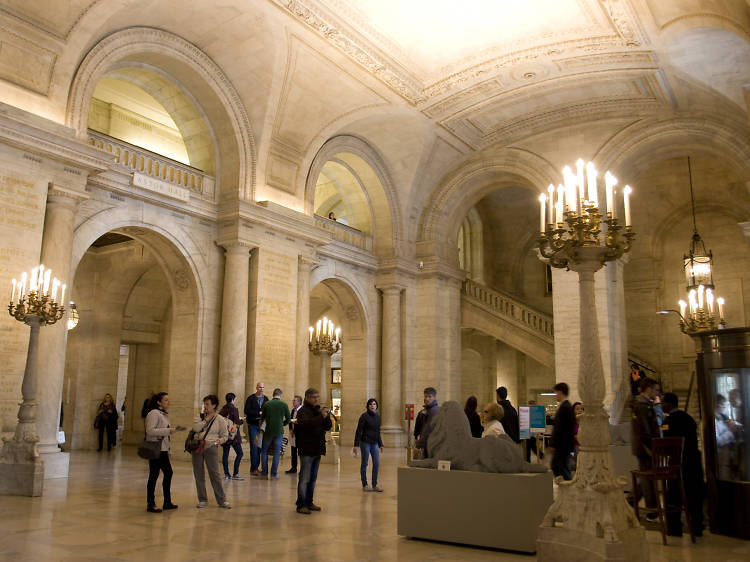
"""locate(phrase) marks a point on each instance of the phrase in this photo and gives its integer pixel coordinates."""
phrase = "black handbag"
(149, 449)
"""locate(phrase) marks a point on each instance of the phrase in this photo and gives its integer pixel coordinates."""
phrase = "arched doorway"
(138, 332)
(347, 381)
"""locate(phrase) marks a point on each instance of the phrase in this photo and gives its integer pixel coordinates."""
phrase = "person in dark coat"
(475, 424)
(562, 442)
(367, 440)
(423, 425)
(310, 428)
(510, 417)
(230, 411)
(253, 406)
(106, 420)
(645, 430)
(678, 423)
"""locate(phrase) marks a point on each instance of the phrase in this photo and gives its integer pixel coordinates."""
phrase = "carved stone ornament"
(181, 279)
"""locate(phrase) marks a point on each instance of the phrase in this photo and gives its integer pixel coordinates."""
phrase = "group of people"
(264, 421)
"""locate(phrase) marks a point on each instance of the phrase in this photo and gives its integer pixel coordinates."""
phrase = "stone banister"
(510, 309)
(152, 164)
(345, 234)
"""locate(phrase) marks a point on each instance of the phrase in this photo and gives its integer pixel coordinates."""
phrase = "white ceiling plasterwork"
(430, 49)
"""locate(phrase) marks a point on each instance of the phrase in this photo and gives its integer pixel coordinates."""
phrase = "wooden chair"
(666, 461)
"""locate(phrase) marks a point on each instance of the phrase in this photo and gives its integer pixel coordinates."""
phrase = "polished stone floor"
(99, 514)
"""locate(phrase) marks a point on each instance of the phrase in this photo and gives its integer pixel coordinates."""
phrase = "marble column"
(390, 398)
(302, 355)
(233, 346)
(57, 248)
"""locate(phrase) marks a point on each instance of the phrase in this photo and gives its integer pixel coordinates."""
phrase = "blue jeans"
(254, 451)
(237, 446)
(308, 474)
(273, 443)
(367, 450)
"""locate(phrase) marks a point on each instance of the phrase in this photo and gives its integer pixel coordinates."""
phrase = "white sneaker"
(201, 505)
(366, 489)
(226, 505)
(377, 489)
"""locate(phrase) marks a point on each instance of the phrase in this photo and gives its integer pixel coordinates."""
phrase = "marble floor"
(98, 513)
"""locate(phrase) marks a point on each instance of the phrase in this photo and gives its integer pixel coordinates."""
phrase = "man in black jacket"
(253, 407)
(562, 441)
(678, 423)
(423, 425)
(310, 428)
(510, 416)
(644, 430)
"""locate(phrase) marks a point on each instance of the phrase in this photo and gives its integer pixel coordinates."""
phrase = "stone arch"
(173, 252)
(197, 74)
(468, 185)
(373, 174)
(348, 299)
(639, 145)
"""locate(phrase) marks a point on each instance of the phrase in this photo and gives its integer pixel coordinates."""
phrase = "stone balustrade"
(345, 234)
(510, 309)
(152, 164)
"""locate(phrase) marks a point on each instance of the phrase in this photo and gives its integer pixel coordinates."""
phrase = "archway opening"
(344, 379)
(341, 193)
(137, 334)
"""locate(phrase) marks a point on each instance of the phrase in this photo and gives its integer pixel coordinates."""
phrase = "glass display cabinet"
(723, 366)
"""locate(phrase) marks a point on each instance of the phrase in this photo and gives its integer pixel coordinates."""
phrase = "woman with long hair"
(213, 431)
(106, 420)
(230, 412)
(158, 429)
(475, 424)
(367, 439)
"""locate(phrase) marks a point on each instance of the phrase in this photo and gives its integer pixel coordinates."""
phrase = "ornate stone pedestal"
(590, 519)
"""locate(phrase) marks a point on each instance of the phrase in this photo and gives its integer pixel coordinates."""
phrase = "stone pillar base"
(557, 544)
(393, 437)
(21, 479)
(56, 464)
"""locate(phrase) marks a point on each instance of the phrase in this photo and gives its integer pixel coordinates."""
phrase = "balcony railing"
(345, 234)
(152, 164)
(511, 309)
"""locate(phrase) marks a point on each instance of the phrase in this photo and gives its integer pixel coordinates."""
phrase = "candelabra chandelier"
(702, 311)
(37, 302)
(324, 338)
(574, 219)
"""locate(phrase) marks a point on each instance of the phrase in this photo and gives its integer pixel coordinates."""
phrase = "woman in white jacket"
(157, 429)
(491, 416)
(212, 430)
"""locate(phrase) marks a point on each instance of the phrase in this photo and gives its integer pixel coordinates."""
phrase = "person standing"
(106, 420)
(644, 430)
(423, 424)
(296, 405)
(367, 439)
(562, 442)
(230, 412)
(253, 407)
(678, 423)
(275, 414)
(310, 428)
(475, 424)
(158, 429)
(492, 416)
(510, 416)
(213, 431)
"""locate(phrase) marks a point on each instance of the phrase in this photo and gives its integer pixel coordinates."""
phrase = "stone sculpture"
(451, 440)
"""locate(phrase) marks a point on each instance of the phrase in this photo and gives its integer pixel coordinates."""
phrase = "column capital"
(235, 246)
(307, 263)
(64, 196)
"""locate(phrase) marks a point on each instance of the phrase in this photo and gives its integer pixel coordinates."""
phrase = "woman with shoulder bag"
(212, 431)
(158, 429)
(230, 411)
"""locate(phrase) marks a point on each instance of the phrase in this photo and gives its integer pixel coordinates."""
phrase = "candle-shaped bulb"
(318, 325)
(609, 184)
(542, 210)
(570, 188)
(37, 284)
(23, 284)
(626, 195)
(701, 294)
(710, 301)
(720, 302)
(560, 203)
(683, 308)
(591, 174)
(13, 290)
(33, 281)
(62, 294)
(579, 178)
(47, 274)
(338, 334)
(311, 328)
(692, 301)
